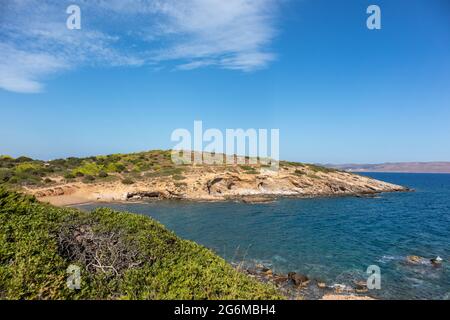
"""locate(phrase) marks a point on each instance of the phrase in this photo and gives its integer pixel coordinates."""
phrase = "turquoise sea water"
(331, 239)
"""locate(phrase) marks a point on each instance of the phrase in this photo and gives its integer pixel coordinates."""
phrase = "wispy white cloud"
(35, 43)
(22, 71)
(196, 64)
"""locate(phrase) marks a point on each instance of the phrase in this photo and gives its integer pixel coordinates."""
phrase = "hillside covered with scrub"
(121, 256)
(153, 175)
(128, 168)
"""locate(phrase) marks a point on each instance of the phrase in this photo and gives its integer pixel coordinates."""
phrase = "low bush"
(88, 179)
(120, 255)
(299, 172)
(69, 176)
(317, 168)
(249, 169)
(102, 174)
(127, 181)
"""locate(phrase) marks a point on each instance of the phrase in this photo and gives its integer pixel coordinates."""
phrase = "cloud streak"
(35, 43)
(27, 70)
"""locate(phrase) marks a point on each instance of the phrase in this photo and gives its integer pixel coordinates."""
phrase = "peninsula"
(153, 175)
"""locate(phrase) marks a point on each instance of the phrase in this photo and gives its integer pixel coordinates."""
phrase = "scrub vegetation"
(128, 168)
(121, 255)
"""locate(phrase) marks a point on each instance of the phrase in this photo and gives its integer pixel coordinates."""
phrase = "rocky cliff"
(249, 183)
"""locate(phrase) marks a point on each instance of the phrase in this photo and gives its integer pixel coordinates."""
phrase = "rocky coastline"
(297, 286)
(209, 183)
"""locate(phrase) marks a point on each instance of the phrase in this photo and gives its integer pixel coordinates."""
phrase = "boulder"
(361, 286)
(298, 279)
(280, 279)
(262, 267)
(414, 259)
(436, 261)
(268, 273)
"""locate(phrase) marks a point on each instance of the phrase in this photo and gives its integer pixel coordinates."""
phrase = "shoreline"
(296, 286)
(69, 200)
(218, 184)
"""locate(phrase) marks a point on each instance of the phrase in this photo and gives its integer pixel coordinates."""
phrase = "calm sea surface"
(331, 239)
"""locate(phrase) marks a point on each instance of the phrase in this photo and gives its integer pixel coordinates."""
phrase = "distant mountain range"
(407, 167)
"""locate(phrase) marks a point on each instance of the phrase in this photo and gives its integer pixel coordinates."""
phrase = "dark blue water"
(332, 239)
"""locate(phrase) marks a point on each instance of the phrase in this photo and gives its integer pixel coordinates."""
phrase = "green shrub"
(316, 168)
(115, 167)
(22, 159)
(74, 162)
(180, 184)
(88, 168)
(291, 163)
(127, 181)
(27, 168)
(38, 242)
(13, 180)
(5, 175)
(102, 174)
(58, 163)
(88, 179)
(69, 176)
(249, 169)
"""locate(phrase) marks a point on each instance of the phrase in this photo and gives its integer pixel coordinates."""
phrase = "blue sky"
(137, 70)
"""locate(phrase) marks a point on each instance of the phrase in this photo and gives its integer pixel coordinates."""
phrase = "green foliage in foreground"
(121, 255)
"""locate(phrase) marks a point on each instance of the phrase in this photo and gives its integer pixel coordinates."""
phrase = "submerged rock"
(295, 285)
(420, 260)
(415, 259)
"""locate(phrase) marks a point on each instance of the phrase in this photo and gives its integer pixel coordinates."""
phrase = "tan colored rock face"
(216, 183)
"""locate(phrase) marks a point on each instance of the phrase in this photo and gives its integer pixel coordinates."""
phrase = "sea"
(332, 240)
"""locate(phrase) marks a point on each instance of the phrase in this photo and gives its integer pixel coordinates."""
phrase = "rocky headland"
(152, 175)
(246, 183)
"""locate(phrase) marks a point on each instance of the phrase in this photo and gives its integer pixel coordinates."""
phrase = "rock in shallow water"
(436, 261)
(298, 279)
(415, 259)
